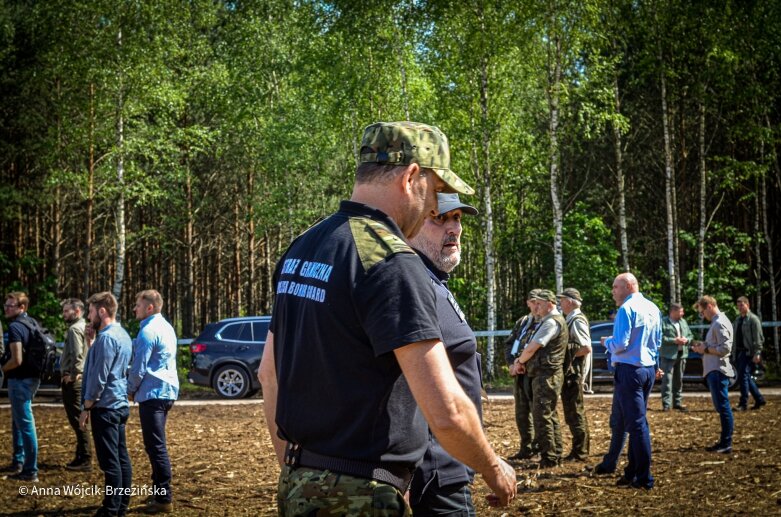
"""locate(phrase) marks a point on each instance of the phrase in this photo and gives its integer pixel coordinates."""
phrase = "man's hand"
(89, 334)
(66, 379)
(503, 485)
(603, 339)
(698, 347)
(131, 397)
(78, 377)
(757, 358)
(681, 340)
(659, 373)
(83, 420)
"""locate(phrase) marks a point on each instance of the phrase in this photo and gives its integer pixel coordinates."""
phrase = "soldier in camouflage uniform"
(355, 304)
(542, 360)
(578, 347)
(522, 388)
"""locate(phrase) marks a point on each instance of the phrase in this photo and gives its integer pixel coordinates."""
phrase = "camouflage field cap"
(545, 295)
(533, 294)
(403, 143)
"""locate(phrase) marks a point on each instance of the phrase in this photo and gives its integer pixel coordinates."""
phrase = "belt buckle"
(293, 455)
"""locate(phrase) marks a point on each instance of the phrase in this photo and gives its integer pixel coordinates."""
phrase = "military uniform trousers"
(575, 416)
(522, 392)
(546, 388)
(308, 491)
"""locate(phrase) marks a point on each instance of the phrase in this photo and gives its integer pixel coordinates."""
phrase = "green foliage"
(590, 259)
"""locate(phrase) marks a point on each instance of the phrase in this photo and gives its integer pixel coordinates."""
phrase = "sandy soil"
(223, 465)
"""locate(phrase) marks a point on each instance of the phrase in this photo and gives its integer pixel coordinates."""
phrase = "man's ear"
(410, 175)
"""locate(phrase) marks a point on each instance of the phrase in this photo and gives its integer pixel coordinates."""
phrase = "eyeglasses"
(11, 305)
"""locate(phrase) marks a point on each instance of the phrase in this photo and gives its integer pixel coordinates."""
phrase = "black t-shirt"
(20, 333)
(461, 346)
(349, 291)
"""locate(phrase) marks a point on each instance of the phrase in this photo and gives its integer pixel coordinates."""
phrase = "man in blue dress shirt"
(153, 383)
(104, 401)
(634, 346)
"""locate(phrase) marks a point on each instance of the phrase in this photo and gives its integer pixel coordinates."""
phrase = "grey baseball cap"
(570, 292)
(448, 202)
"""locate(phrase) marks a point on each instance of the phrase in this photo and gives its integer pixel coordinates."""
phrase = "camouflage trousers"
(575, 416)
(522, 392)
(546, 389)
(311, 492)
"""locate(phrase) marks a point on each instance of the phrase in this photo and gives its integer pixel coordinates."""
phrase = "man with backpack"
(19, 366)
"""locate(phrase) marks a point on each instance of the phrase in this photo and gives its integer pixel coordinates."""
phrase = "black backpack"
(40, 352)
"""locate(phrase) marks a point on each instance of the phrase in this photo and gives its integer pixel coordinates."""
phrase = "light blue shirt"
(104, 377)
(153, 372)
(637, 332)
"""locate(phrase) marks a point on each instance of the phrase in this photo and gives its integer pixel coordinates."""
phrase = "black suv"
(602, 370)
(226, 356)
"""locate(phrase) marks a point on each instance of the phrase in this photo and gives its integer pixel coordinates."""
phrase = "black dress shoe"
(600, 470)
(624, 482)
(758, 404)
(740, 408)
(682, 409)
(665, 409)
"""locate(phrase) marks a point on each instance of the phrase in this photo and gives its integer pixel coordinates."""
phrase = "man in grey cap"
(440, 485)
(522, 332)
(355, 303)
(542, 360)
(578, 347)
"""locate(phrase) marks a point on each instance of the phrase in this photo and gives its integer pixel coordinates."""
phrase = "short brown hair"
(20, 298)
(152, 297)
(707, 300)
(105, 300)
(744, 300)
(73, 303)
(675, 306)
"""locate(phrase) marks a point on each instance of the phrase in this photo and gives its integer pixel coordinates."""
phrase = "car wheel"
(231, 382)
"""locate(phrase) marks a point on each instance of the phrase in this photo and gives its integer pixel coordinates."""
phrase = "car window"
(237, 332)
(600, 331)
(260, 329)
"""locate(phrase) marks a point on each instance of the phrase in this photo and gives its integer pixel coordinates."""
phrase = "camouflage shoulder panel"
(375, 242)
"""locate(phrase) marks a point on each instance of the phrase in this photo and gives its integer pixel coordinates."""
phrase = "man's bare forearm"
(267, 375)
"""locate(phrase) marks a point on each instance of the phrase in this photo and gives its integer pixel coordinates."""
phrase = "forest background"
(181, 145)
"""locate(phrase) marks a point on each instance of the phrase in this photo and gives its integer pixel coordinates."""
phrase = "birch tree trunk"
(490, 274)
(87, 251)
(768, 240)
(668, 167)
(619, 153)
(554, 85)
(758, 246)
(119, 266)
(188, 314)
(703, 214)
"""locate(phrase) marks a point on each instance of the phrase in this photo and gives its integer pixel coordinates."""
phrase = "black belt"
(396, 475)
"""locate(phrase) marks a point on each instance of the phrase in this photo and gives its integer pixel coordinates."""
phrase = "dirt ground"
(223, 465)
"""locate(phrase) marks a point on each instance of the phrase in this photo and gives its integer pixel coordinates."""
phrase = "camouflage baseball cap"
(403, 143)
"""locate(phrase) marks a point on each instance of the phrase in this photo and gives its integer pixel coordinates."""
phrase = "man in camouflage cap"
(520, 336)
(404, 143)
(355, 304)
(578, 347)
(542, 360)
